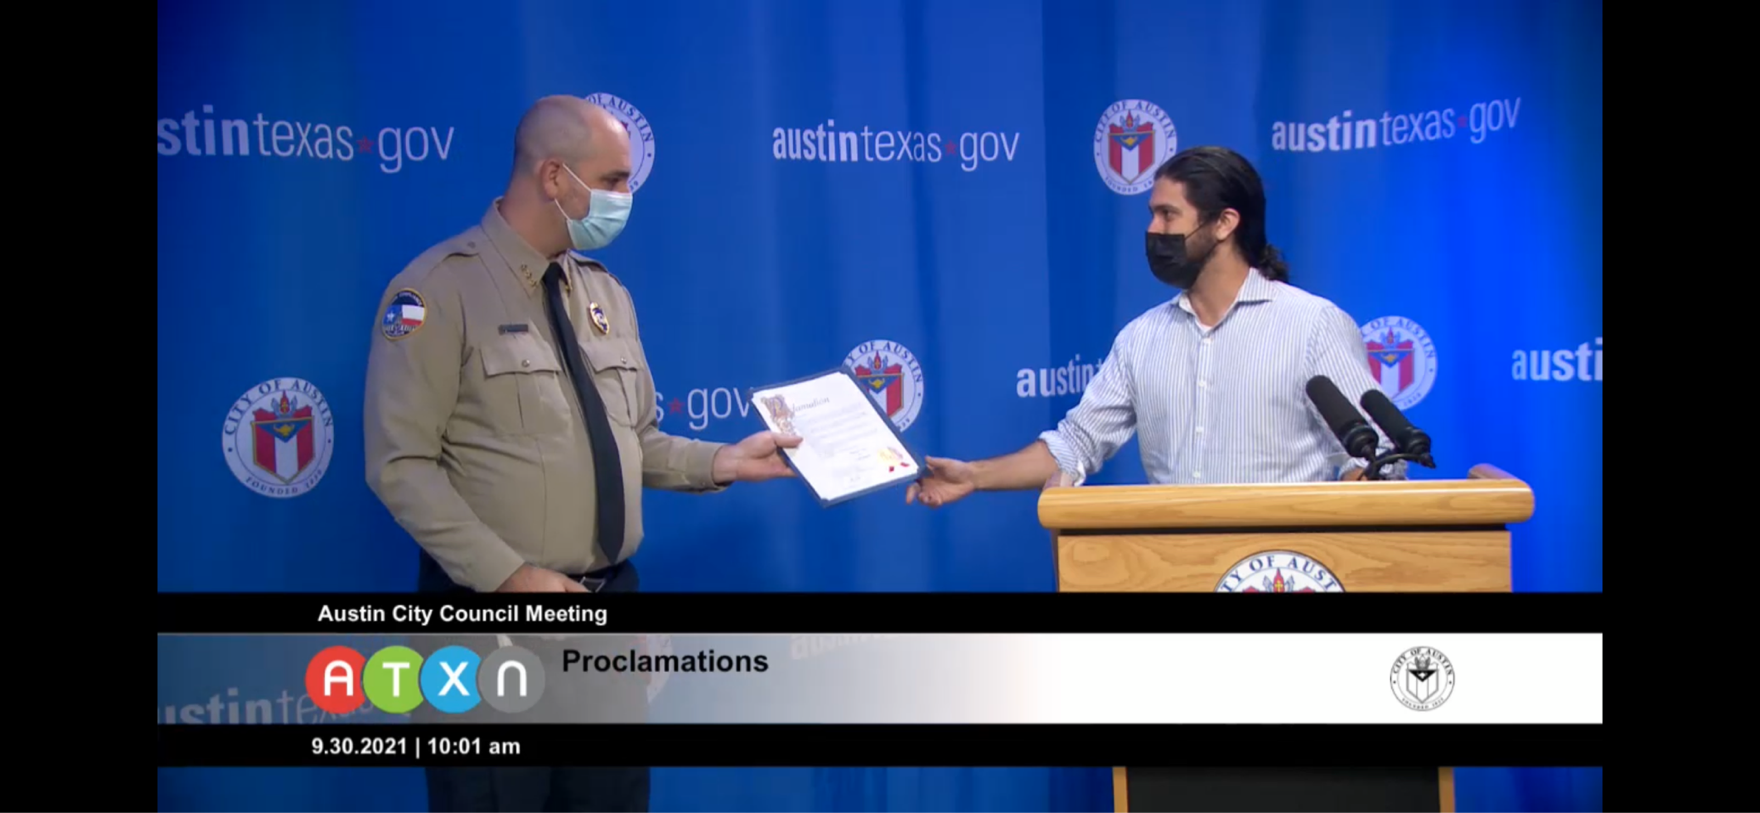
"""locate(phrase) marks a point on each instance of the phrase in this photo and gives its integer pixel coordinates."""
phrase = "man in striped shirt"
(1211, 382)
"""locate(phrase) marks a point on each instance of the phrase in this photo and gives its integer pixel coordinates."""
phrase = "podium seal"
(1279, 571)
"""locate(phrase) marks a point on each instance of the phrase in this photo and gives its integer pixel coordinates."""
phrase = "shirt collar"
(1256, 288)
(522, 260)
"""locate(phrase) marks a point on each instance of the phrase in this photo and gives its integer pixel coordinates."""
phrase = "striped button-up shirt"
(1226, 404)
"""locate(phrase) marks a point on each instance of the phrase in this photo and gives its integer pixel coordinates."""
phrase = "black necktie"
(607, 468)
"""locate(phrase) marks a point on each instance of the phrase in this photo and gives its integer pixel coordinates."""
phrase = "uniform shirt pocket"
(523, 381)
(617, 376)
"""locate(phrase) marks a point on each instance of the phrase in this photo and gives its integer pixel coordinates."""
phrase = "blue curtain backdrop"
(1433, 167)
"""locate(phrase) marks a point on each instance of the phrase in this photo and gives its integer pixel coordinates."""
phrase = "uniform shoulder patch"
(404, 314)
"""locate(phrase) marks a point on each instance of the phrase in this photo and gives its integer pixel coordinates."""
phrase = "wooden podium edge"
(1487, 496)
(1121, 795)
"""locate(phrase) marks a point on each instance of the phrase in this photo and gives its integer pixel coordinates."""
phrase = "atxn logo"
(1344, 132)
(397, 680)
(824, 142)
(206, 137)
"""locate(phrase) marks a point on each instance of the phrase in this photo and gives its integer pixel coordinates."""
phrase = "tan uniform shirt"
(474, 437)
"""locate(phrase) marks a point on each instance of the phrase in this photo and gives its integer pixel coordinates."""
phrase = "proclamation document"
(848, 446)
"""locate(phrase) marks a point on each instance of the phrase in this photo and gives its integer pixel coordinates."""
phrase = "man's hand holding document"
(848, 448)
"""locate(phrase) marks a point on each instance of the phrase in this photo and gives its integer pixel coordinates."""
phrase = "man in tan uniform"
(510, 414)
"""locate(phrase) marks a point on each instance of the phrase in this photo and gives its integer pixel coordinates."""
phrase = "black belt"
(596, 580)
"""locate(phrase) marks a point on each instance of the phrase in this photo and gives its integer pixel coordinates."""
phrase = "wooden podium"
(1447, 536)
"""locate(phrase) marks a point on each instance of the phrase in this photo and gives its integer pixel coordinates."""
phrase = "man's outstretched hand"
(948, 481)
(755, 459)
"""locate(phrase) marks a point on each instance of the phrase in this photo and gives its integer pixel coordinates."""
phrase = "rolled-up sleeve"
(1092, 432)
(1336, 350)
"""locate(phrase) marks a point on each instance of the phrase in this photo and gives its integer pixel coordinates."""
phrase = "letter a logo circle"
(333, 680)
(391, 679)
(449, 680)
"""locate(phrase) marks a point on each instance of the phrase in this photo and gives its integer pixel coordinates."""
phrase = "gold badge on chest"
(599, 320)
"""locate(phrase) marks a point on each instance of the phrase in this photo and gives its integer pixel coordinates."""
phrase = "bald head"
(565, 148)
(567, 128)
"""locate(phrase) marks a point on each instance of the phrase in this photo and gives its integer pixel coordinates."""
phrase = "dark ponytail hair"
(1218, 178)
(1271, 263)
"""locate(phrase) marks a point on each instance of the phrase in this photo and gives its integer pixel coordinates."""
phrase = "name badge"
(506, 329)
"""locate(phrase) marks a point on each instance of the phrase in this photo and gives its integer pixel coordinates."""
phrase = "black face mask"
(1169, 261)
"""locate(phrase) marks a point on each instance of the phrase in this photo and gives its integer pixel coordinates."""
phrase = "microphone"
(1407, 439)
(1344, 420)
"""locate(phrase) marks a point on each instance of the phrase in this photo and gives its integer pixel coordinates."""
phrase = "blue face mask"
(606, 214)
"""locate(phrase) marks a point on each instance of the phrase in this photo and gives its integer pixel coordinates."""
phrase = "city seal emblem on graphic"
(1422, 678)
